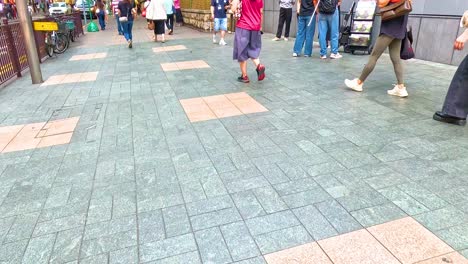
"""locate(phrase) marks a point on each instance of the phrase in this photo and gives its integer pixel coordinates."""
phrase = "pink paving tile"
(184, 65)
(169, 48)
(358, 247)
(248, 105)
(7, 134)
(193, 101)
(55, 140)
(233, 96)
(306, 254)
(53, 80)
(88, 76)
(452, 258)
(25, 139)
(201, 116)
(60, 126)
(169, 66)
(409, 241)
(221, 106)
(194, 106)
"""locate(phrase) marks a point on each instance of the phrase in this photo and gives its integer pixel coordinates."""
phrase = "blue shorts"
(220, 24)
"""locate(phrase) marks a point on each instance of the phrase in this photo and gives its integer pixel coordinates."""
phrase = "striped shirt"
(287, 3)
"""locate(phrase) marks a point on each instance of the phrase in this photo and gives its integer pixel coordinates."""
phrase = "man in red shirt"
(248, 36)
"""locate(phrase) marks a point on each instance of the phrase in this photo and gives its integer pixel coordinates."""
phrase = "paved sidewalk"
(157, 155)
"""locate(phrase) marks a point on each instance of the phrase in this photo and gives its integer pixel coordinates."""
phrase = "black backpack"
(327, 6)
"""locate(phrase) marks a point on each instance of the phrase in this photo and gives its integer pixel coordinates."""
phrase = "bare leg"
(243, 67)
(256, 62)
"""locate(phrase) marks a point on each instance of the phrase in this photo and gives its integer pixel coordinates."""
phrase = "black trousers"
(284, 16)
(456, 101)
(170, 22)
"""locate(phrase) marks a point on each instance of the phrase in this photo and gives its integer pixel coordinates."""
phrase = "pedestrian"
(218, 14)
(170, 16)
(392, 32)
(305, 31)
(328, 20)
(101, 14)
(156, 12)
(285, 16)
(248, 36)
(115, 8)
(126, 11)
(179, 18)
(455, 107)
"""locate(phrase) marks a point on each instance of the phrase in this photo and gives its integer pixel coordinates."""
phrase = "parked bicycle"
(57, 41)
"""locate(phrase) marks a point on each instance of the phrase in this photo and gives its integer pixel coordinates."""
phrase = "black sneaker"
(130, 44)
(243, 79)
(441, 117)
(261, 72)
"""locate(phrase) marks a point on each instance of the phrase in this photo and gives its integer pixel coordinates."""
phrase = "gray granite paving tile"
(464, 253)
(360, 199)
(67, 246)
(234, 186)
(257, 260)
(424, 196)
(193, 191)
(324, 168)
(176, 221)
(167, 248)
(151, 227)
(67, 210)
(22, 227)
(212, 246)
(393, 155)
(456, 237)
(124, 256)
(213, 186)
(273, 173)
(403, 200)
(39, 249)
(386, 180)
(295, 186)
(309, 147)
(59, 224)
(271, 222)
(282, 239)
(378, 214)
(99, 259)
(223, 163)
(312, 196)
(154, 202)
(247, 204)
(216, 218)
(270, 200)
(294, 171)
(13, 252)
(315, 223)
(110, 227)
(58, 197)
(240, 243)
(100, 210)
(338, 217)
(209, 205)
(187, 258)
(105, 244)
(441, 218)
(124, 205)
(5, 225)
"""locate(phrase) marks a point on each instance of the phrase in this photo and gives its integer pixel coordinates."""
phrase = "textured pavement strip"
(140, 183)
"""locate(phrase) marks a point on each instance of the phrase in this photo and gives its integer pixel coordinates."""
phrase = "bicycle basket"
(70, 25)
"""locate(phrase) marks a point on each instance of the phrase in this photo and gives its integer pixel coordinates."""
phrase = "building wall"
(435, 26)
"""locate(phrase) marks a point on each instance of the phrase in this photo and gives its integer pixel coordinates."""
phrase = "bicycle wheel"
(61, 43)
(48, 46)
(72, 35)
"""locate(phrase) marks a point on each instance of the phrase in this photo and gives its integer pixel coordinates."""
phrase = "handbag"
(407, 51)
(395, 10)
(124, 18)
(151, 25)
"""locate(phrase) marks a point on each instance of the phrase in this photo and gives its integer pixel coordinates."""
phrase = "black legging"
(170, 21)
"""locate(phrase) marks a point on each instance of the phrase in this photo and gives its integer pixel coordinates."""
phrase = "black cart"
(345, 28)
(362, 22)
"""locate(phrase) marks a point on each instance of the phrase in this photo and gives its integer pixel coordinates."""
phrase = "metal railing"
(13, 59)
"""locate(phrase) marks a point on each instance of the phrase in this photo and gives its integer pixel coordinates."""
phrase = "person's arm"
(261, 19)
(339, 2)
(234, 6)
(298, 7)
(212, 8)
(315, 5)
(383, 3)
(461, 40)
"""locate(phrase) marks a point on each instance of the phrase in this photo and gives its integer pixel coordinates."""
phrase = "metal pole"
(30, 42)
(84, 10)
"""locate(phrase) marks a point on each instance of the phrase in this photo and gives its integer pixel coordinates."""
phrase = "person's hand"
(212, 16)
(459, 45)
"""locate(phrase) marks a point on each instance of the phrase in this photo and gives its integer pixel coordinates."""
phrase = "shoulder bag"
(407, 51)
(124, 19)
(395, 10)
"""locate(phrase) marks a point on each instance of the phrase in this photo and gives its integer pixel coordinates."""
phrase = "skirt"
(159, 26)
(247, 44)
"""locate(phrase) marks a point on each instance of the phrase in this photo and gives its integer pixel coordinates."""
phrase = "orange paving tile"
(169, 48)
(7, 134)
(306, 254)
(90, 56)
(71, 78)
(184, 65)
(358, 247)
(37, 135)
(409, 241)
(452, 258)
(220, 106)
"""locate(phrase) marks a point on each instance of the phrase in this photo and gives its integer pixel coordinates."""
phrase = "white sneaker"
(336, 56)
(353, 85)
(294, 54)
(324, 57)
(214, 39)
(222, 42)
(286, 39)
(397, 91)
(276, 39)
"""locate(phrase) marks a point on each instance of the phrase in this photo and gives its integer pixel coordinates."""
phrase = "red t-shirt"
(251, 17)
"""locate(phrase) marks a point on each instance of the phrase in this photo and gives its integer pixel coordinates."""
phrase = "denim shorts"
(220, 24)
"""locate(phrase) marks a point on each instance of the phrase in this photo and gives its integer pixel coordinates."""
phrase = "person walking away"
(179, 18)
(126, 13)
(328, 20)
(285, 16)
(455, 107)
(218, 14)
(115, 8)
(392, 32)
(305, 32)
(170, 16)
(156, 12)
(101, 14)
(248, 36)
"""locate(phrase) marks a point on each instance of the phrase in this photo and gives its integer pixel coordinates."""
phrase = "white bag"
(123, 19)
(98, 11)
